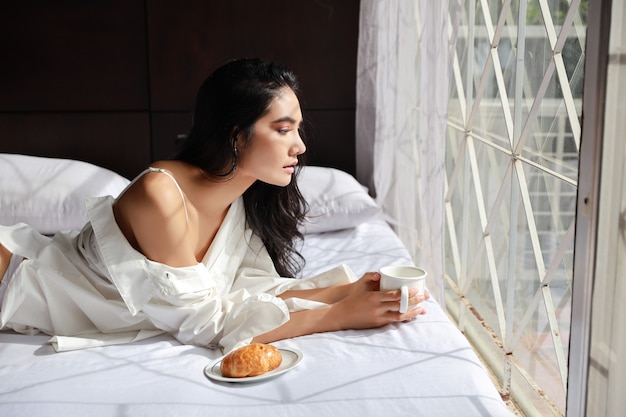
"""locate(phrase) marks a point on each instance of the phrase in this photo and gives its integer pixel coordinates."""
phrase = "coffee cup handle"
(404, 299)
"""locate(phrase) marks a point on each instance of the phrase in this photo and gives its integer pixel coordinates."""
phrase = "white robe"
(92, 288)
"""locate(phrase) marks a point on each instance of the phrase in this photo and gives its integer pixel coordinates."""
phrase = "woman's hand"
(365, 306)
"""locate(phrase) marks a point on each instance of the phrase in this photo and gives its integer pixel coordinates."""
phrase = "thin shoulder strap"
(161, 170)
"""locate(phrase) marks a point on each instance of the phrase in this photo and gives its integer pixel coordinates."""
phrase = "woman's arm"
(362, 307)
(328, 295)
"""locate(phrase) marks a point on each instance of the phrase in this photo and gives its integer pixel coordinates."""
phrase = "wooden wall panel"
(168, 129)
(330, 139)
(317, 40)
(73, 55)
(117, 141)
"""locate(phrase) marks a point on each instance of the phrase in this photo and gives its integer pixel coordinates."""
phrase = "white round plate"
(291, 358)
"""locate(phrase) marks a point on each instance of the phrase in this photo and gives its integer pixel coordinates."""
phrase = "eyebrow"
(286, 119)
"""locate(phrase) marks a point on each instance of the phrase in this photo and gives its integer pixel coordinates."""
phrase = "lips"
(290, 168)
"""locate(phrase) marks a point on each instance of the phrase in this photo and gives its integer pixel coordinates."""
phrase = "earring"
(235, 159)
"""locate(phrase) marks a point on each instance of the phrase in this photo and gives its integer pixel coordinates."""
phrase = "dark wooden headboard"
(113, 82)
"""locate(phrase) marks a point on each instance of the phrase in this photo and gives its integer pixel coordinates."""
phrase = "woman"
(199, 246)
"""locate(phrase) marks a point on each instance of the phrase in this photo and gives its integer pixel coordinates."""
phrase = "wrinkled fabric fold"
(67, 343)
(92, 288)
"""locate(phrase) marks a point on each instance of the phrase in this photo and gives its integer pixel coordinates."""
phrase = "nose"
(298, 147)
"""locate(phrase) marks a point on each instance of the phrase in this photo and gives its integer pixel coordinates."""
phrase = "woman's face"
(272, 151)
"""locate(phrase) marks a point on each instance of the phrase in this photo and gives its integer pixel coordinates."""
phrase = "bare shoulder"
(153, 217)
(152, 192)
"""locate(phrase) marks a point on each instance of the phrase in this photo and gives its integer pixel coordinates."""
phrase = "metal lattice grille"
(511, 167)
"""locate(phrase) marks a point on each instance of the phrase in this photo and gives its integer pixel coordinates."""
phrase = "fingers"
(371, 276)
(392, 301)
(411, 314)
(415, 297)
(371, 280)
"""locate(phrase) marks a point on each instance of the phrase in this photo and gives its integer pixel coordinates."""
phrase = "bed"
(422, 368)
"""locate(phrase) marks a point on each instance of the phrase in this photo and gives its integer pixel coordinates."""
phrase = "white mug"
(403, 277)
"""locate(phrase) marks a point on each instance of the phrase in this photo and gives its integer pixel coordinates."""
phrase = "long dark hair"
(228, 104)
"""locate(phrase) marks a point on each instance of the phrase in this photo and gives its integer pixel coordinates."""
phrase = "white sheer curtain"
(403, 80)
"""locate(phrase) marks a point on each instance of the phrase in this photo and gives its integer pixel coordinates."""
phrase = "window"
(512, 150)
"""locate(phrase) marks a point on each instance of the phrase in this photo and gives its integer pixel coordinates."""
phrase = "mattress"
(422, 368)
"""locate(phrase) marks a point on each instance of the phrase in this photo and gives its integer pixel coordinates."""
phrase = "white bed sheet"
(422, 368)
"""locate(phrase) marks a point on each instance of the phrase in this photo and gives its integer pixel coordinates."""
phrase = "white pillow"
(49, 193)
(336, 200)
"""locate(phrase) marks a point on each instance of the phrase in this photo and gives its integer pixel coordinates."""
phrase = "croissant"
(251, 360)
